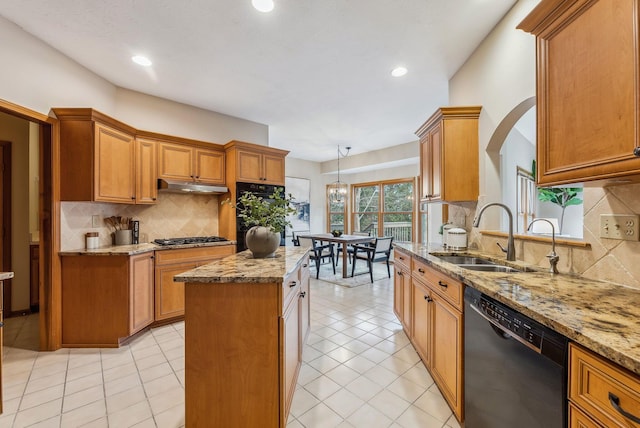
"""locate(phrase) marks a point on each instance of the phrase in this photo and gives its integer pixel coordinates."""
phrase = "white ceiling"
(317, 72)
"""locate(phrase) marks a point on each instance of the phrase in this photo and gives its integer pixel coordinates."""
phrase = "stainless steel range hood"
(176, 186)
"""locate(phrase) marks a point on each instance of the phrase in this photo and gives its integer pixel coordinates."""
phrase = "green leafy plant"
(561, 196)
(258, 211)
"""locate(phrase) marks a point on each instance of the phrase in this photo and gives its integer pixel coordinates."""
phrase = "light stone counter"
(242, 267)
(119, 250)
(602, 316)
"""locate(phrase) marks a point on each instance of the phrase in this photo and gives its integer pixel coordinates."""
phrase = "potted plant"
(267, 218)
(561, 196)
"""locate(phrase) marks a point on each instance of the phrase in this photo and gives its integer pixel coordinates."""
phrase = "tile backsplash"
(173, 215)
(605, 259)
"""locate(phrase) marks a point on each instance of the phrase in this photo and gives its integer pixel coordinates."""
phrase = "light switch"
(95, 221)
(619, 226)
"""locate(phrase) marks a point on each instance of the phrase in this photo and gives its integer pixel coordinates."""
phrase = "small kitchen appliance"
(457, 238)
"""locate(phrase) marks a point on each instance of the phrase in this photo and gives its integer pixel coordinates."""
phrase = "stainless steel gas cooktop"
(189, 240)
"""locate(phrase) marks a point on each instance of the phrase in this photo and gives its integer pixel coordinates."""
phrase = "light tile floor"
(359, 370)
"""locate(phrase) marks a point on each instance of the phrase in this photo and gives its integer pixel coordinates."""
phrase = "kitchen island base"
(244, 333)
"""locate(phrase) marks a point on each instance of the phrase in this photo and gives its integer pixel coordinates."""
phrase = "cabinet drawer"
(450, 289)
(595, 384)
(577, 419)
(290, 287)
(401, 258)
(192, 254)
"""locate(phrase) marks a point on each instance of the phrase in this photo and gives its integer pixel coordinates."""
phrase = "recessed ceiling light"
(141, 60)
(263, 5)
(398, 71)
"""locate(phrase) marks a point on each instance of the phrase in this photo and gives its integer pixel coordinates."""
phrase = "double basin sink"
(478, 264)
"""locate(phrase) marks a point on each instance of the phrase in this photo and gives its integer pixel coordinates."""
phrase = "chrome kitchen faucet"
(511, 248)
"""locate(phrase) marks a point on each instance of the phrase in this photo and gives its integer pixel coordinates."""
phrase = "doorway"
(41, 129)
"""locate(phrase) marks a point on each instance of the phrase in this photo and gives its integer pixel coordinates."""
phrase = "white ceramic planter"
(262, 241)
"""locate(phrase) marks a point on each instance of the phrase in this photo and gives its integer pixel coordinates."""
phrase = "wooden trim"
(22, 112)
(470, 112)
(89, 114)
(7, 230)
(178, 140)
(254, 147)
(537, 238)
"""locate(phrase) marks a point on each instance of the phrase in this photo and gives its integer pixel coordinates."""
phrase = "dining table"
(343, 239)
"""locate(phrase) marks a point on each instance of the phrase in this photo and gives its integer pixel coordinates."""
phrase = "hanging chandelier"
(337, 189)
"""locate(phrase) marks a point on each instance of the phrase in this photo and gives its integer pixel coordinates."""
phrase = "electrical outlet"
(95, 221)
(619, 226)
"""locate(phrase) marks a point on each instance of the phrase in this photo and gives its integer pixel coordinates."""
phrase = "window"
(384, 209)
(336, 214)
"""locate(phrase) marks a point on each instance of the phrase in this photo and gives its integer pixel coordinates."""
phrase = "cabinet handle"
(133, 197)
(442, 284)
(400, 273)
(636, 151)
(303, 293)
(401, 258)
(420, 270)
(615, 402)
(305, 265)
(152, 257)
(428, 299)
(153, 199)
(197, 177)
(292, 284)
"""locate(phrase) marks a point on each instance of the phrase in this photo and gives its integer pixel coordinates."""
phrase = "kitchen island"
(246, 321)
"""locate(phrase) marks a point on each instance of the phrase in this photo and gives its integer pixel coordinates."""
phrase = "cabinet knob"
(133, 197)
(428, 299)
(400, 273)
(197, 177)
(153, 199)
(420, 270)
(303, 293)
(636, 151)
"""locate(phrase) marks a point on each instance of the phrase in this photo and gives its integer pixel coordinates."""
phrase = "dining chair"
(318, 252)
(349, 247)
(378, 251)
(294, 236)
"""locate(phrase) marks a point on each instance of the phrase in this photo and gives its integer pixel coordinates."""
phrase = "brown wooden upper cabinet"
(449, 155)
(588, 114)
(186, 162)
(98, 158)
(251, 163)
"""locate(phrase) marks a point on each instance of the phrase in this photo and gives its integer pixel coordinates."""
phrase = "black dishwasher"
(515, 369)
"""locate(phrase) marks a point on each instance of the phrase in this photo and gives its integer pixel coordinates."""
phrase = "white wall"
(311, 170)
(499, 75)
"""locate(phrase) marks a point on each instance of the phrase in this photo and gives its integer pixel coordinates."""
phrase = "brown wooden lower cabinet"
(169, 295)
(596, 387)
(430, 305)
(105, 299)
(243, 350)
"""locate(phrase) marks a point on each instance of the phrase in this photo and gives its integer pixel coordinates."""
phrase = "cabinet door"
(422, 320)
(209, 166)
(305, 300)
(407, 302)
(169, 294)
(114, 166)
(273, 169)
(587, 90)
(175, 161)
(291, 352)
(146, 172)
(435, 159)
(140, 291)
(446, 351)
(249, 168)
(398, 292)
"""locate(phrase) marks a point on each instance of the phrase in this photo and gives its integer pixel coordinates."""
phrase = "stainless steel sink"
(490, 268)
(478, 263)
(465, 260)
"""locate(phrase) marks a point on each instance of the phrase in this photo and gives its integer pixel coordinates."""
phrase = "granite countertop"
(123, 250)
(242, 267)
(602, 316)
(5, 275)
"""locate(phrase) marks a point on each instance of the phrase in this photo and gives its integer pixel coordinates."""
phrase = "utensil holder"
(123, 237)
